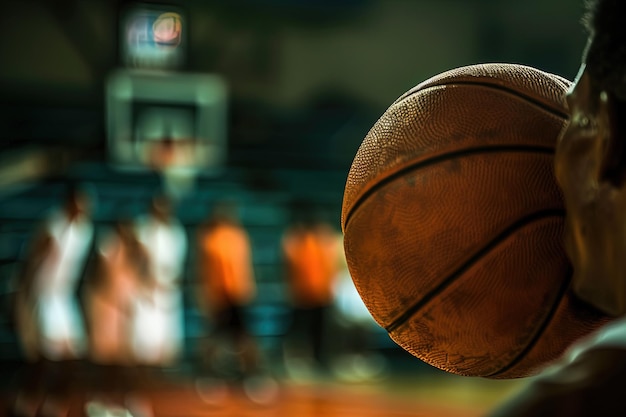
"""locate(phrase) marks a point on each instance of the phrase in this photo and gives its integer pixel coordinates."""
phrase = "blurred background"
(259, 102)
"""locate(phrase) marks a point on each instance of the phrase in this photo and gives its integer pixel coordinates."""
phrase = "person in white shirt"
(158, 329)
(49, 319)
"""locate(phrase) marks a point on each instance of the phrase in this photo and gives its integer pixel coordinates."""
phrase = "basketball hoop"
(178, 181)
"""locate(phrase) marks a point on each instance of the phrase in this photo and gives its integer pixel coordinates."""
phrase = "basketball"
(453, 223)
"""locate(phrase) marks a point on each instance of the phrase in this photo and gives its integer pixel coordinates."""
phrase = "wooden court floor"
(440, 396)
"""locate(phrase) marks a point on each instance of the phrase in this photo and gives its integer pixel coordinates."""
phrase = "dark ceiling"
(301, 73)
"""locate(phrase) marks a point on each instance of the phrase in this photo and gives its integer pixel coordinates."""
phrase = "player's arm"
(591, 385)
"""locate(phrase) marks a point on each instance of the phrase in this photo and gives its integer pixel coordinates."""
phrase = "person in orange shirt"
(311, 266)
(226, 272)
(227, 287)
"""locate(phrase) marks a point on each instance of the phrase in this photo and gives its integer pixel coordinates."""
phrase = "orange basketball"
(453, 223)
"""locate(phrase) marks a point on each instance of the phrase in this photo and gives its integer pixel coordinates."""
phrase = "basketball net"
(175, 161)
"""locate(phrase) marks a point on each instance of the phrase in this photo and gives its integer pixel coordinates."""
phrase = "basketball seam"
(540, 330)
(514, 92)
(442, 158)
(508, 231)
